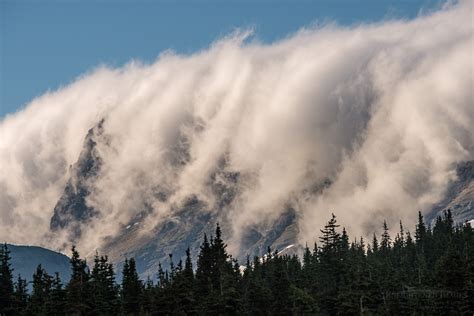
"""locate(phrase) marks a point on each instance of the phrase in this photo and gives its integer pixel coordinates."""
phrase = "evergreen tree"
(432, 274)
(330, 267)
(21, 296)
(42, 283)
(420, 232)
(386, 279)
(385, 244)
(6, 282)
(163, 300)
(185, 285)
(330, 238)
(280, 287)
(147, 298)
(257, 294)
(203, 274)
(102, 287)
(56, 301)
(78, 294)
(347, 297)
(131, 288)
(375, 244)
(225, 297)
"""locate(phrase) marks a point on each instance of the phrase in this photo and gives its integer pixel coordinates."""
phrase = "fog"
(383, 112)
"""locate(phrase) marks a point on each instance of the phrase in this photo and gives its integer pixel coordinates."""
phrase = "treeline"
(430, 273)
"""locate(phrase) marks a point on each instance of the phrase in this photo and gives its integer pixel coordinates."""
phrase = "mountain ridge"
(25, 259)
(186, 225)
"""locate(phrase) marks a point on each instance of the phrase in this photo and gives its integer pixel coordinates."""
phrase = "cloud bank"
(383, 112)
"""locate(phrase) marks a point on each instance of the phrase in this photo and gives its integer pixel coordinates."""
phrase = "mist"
(383, 112)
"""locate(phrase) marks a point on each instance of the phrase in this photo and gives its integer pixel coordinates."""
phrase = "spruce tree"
(420, 231)
(421, 260)
(21, 296)
(203, 274)
(102, 286)
(347, 299)
(148, 297)
(225, 297)
(162, 296)
(386, 242)
(386, 272)
(131, 288)
(330, 267)
(6, 281)
(187, 287)
(42, 283)
(78, 294)
(257, 294)
(431, 275)
(280, 287)
(56, 301)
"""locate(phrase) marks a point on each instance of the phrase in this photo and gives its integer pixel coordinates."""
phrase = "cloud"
(382, 111)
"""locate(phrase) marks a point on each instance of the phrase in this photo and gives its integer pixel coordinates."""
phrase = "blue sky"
(46, 44)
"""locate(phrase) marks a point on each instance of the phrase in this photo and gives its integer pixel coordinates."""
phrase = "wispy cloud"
(383, 111)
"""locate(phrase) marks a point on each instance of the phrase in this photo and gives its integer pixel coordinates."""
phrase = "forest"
(428, 273)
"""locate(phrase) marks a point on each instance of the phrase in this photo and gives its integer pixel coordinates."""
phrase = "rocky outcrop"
(459, 196)
(72, 210)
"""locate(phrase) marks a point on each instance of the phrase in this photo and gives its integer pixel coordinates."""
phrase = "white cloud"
(385, 111)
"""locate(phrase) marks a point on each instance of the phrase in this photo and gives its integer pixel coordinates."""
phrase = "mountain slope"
(459, 197)
(183, 227)
(71, 209)
(25, 259)
(188, 219)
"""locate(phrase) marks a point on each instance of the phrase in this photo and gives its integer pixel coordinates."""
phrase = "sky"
(45, 45)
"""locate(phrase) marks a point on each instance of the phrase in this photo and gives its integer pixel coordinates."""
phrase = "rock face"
(71, 209)
(174, 234)
(186, 229)
(25, 259)
(187, 226)
(193, 218)
(459, 197)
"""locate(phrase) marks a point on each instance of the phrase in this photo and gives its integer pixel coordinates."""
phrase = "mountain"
(186, 229)
(190, 220)
(193, 217)
(459, 197)
(25, 259)
(72, 209)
